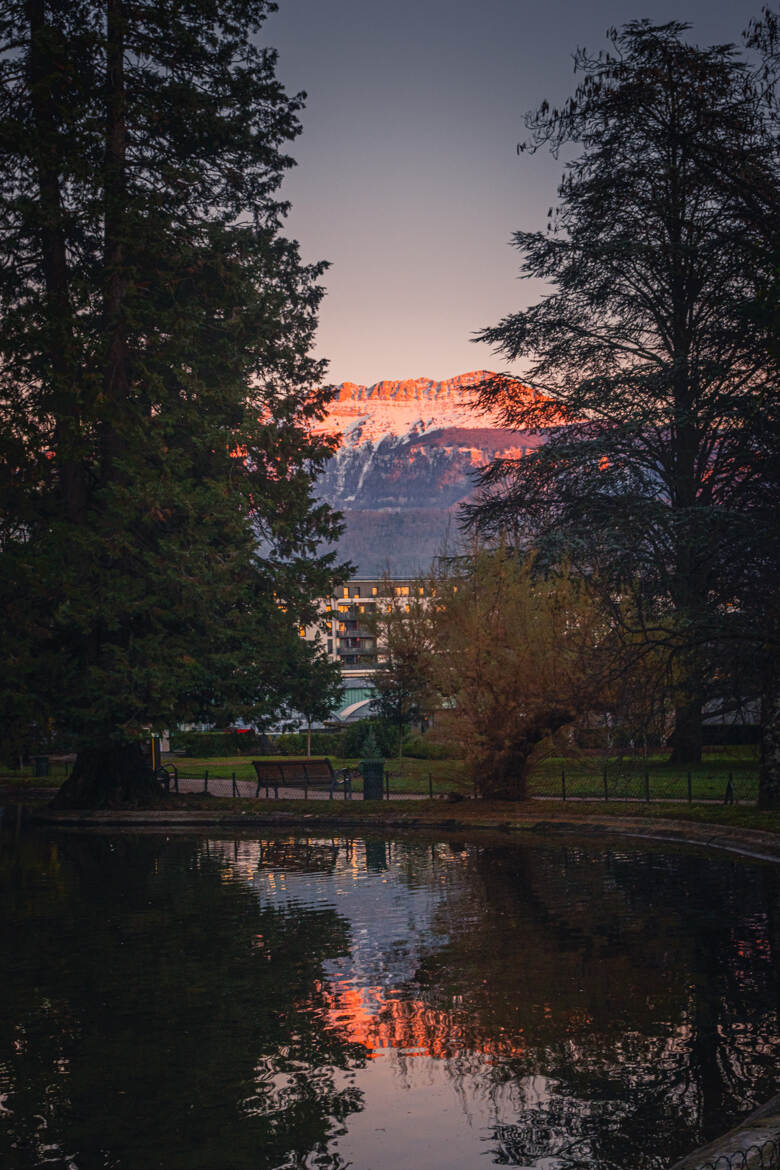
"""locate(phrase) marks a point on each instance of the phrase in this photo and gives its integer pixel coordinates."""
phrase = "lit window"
(374, 591)
(345, 591)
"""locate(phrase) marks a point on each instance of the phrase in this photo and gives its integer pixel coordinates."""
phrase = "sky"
(408, 180)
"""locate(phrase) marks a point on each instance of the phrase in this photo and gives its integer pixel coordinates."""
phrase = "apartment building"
(350, 635)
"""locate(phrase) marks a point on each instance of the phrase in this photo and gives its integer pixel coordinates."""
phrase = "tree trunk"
(116, 375)
(769, 768)
(308, 738)
(47, 65)
(686, 740)
(112, 776)
(502, 773)
(504, 776)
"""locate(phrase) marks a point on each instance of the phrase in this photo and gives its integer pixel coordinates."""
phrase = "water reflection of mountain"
(581, 993)
(312, 1002)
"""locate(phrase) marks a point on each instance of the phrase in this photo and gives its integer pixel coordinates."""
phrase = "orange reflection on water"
(380, 1022)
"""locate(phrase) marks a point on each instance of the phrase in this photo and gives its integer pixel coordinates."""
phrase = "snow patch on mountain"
(367, 414)
(408, 455)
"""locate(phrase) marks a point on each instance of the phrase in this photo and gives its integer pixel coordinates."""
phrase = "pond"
(292, 1002)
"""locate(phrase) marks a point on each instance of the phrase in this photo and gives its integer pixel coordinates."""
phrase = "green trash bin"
(41, 765)
(373, 773)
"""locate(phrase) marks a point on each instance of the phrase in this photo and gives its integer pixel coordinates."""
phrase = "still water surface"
(331, 1003)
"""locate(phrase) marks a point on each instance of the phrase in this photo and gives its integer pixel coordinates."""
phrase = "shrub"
(293, 743)
(419, 747)
(219, 743)
(354, 736)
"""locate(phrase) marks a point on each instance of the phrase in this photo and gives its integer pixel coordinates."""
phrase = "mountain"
(408, 456)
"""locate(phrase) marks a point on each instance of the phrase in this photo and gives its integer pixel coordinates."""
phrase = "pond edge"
(756, 844)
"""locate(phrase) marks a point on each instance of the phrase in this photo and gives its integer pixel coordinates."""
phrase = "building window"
(374, 591)
(345, 591)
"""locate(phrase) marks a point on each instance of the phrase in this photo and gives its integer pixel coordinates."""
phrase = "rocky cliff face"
(408, 457)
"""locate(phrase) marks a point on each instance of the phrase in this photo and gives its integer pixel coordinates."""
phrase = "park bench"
(304, 772)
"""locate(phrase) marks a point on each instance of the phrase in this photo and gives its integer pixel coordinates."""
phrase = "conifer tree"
(158, 534)
(654, 346)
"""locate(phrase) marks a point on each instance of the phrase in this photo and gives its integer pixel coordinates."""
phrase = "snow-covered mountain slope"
(408, 457)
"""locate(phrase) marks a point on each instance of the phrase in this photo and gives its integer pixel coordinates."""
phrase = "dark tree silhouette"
(158, 538)
(654, 346)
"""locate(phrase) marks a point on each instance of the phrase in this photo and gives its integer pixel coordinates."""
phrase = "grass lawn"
(25, 777)
(631, 778)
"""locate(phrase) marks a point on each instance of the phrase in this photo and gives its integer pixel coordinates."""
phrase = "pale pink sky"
(408, 180)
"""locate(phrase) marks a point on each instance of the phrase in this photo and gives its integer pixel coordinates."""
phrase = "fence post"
(430, 785)
(387, 784)
(690, 789)
(235, 786)
(563, 783)
(206, 780)
(606, 794)
(647, 784)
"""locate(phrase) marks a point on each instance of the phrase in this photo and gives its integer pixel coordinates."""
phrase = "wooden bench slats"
(294, 770)
(299, 772)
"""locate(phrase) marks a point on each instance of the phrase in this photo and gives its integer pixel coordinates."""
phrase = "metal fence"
(630, 782)
(627, 781)
(761, 1156)
(180, 782)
